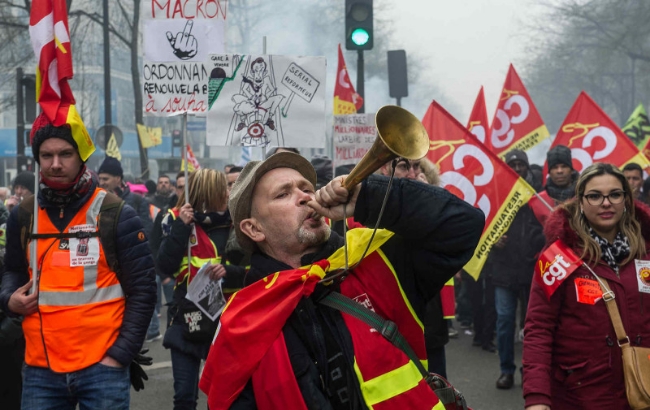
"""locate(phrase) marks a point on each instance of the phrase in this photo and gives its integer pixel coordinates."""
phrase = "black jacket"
(436, 233)
(139, 204)
(513, 265)
(172, 250)
(136, 272)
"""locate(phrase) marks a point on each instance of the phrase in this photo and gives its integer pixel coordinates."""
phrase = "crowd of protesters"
(601, 214)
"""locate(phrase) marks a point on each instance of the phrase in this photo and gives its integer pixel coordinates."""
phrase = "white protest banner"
(178, 37)
(353, 136)
(266, 100)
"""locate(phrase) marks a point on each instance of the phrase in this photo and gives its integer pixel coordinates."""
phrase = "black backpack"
(109, 214)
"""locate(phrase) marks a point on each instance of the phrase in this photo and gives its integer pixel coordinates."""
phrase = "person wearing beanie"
(560, 184)
(518, 161)
(508, 271)
(94, 292)
(305, 354)
(111, 178)
(23, 187)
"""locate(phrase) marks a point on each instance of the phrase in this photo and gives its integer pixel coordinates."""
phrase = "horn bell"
(399, 134)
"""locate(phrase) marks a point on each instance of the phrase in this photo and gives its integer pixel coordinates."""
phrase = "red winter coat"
(571, 358)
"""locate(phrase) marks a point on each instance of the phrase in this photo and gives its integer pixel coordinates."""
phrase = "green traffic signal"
(359, 36)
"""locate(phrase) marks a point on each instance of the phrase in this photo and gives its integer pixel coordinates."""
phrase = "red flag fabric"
(346, 100)
(593, 137)
(555, 264)
(48, 30)
(478, 119)
(192, 163)
(470, 171)
(264, 306)
(516, 123)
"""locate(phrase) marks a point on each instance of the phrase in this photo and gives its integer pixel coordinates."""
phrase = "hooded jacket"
(571, 357)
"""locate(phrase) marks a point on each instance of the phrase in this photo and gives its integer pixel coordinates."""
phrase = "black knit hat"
(43, 129)
(111, 166)
(559, 154)
(25, 179)
(517, 155)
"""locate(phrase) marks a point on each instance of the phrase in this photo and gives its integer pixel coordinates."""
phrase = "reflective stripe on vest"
(81, 308)
(204, 250)
(90, 292)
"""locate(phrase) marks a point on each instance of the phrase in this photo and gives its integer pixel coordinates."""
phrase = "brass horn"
(399, 134)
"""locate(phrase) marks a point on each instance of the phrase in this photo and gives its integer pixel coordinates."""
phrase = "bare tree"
(600, 46)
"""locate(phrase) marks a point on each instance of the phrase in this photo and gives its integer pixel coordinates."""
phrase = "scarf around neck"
(62, 194)
(612, 253)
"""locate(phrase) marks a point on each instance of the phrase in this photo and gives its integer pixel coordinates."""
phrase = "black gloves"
(138, 375)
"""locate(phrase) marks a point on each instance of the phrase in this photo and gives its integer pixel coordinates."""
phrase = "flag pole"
(187, 187)
(33, 258)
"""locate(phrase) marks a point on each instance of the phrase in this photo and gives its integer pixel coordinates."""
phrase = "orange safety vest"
(80, 307)
(387, 378)
(202, 250)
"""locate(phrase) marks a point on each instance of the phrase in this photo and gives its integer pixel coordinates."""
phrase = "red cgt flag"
(470, 171)
(478, 119)
(593, 137)
(555, 264)
(516, 123)
(48, 30)
(346, 100)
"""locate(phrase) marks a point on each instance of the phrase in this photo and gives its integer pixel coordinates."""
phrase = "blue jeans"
(185, 369)
(506, 306)
(94, 388)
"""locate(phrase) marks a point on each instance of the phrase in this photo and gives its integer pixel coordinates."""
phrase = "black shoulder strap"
(109, 214)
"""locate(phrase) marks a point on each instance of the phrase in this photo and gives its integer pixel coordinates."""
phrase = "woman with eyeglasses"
(572, 359)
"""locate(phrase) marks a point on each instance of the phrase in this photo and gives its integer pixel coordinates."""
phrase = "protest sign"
(178, 37)
(264, 100)
(352, 137)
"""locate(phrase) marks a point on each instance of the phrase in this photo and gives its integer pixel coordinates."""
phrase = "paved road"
(469, 368)
(475, 372)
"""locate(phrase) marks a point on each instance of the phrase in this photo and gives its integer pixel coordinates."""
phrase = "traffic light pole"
(360, 81)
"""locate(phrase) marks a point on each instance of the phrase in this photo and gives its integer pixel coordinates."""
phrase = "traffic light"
(358, 25)
(177, 139)
(29, 85)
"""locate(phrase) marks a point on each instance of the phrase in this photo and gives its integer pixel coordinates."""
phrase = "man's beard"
(314, 238)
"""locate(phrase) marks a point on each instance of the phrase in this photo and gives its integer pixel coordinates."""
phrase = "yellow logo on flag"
(149, 136)
(112, 150)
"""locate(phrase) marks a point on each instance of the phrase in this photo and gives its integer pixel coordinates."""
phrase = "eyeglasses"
(614, 198)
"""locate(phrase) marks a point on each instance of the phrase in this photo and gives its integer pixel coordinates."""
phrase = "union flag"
(190, 160)
(49, 34)
(478, 119)
(346, 100)
(472, 172)
(516, 123)
(593, 137)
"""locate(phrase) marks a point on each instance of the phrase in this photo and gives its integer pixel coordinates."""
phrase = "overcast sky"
(468, 43)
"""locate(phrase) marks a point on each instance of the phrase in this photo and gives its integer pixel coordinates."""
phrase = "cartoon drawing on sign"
(184, 44)
(263, 100)
(256, 105)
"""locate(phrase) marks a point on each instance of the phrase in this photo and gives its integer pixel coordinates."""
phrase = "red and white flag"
(555, 264)
(192, 162)
(593, 137)
(478, 119)
(472, 172)
(516, 123)
(346, 100)
(50, 37)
